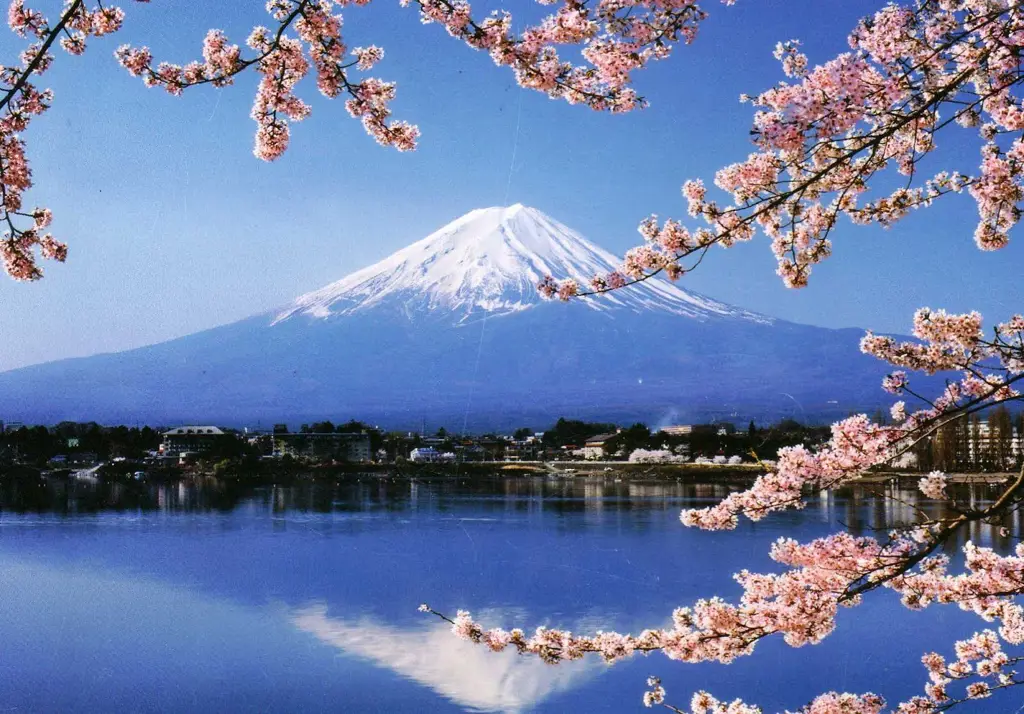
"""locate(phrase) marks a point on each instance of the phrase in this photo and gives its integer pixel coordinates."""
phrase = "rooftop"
(190, 430)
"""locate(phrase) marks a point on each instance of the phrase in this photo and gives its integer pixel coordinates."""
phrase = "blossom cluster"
(21, 101)
(800, 604)
(948, 342)
(989, 368)
(856, 445)
(282, 62)
(617, 37)
(934, 486)
(829, 703)
(979, 657)
(830, 133)
(656, 456)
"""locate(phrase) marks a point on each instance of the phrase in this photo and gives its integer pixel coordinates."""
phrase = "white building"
(190, 439)
(428, 454)
(722, 429)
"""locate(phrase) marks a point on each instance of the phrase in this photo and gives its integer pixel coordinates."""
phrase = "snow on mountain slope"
(489, 261)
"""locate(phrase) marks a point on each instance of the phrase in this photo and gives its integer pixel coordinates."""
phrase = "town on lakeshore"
(90, 452)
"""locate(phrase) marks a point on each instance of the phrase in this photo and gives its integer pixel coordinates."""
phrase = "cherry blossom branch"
(841, 126)
(801, 603)
(20, 103)
(630, 40)
(946, 528)
(33, 65)
(617, 37)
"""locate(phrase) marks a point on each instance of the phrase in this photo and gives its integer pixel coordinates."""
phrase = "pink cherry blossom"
(933, 485)
(305, 37)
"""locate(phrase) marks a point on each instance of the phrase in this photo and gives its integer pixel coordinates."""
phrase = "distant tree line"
(763, 442)
(572, 432)
(39, 444)
(969, 443)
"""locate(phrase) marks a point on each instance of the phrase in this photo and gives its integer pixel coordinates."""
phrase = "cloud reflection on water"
(467, 674)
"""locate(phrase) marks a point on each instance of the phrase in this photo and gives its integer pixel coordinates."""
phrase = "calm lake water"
(292, 599)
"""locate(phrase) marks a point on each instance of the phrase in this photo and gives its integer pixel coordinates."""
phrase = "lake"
(214, 598)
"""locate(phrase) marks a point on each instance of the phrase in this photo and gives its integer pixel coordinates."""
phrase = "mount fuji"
(451, 330)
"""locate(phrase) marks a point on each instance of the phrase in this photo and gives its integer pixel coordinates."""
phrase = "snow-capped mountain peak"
(489, 261)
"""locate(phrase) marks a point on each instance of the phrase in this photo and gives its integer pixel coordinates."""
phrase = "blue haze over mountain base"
(451, 331)
(504, 371)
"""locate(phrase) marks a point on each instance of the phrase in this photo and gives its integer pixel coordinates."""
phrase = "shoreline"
(267, 473)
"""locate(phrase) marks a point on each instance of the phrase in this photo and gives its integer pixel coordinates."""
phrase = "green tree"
(629, 440)
(572, 431)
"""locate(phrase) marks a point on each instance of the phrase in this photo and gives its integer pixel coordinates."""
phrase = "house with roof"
(593, 448)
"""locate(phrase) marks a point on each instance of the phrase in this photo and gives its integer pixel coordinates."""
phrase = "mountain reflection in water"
(460, 671)
(214, 597)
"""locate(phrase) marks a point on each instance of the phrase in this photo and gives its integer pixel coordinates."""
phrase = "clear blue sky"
(173, 226)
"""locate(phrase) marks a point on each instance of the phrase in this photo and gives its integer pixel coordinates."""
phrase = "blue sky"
(173, 226)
